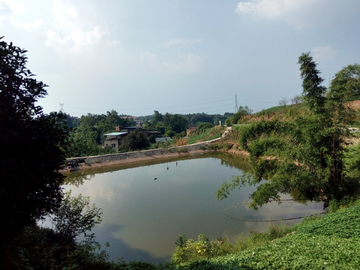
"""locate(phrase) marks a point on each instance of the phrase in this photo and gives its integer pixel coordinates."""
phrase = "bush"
(136, 140)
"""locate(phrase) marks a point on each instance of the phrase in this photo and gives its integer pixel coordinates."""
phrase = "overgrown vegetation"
(188, 250)
(206, 134)
(304, 152)
(239, 116)
(329, 242)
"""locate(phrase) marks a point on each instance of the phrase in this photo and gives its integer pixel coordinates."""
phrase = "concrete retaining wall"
(145, 153)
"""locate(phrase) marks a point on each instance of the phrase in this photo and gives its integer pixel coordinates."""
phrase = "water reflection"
(143, 218)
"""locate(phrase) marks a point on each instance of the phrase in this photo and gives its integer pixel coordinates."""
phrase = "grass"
(329, 242)
(207, 135)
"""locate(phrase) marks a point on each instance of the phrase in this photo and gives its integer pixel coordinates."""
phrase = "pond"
(146, 207)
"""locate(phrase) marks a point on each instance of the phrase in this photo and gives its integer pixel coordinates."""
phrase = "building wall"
(113, 143)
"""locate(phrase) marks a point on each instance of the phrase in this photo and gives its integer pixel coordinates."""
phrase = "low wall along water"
(142, 154)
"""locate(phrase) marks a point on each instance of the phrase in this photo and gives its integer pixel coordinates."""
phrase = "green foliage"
(165, 144)
(188, 250)
(207, 135)
(33, 147)
(68, 244)
(282, 110)
(197, 118)
(330, 242)
(346, 84)
(152, 138)
(237, 117)
(305, 153)
(89, 135)
(75, 218)
(313, 91)
(168, 124)
(136, 140)
(203, 126)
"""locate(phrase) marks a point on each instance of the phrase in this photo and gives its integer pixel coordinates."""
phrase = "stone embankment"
(136, 156)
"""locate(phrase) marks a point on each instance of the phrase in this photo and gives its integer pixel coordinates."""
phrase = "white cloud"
(18, 7)
(147, 56)
(70, 32)
(321, 54)
(4, 9)
(63, 11)
(188, 63)
(294, 12)
(32, 26)
(178, 42)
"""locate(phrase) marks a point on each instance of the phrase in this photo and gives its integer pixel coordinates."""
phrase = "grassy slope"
(282, 112)
(209, 134)
(331, 242)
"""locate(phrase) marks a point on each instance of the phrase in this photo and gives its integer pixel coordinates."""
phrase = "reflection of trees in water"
(243, 164)
(298, 197)
(77, 179)
(232, 161)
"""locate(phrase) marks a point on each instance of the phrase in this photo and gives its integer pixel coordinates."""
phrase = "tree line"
(87, 132)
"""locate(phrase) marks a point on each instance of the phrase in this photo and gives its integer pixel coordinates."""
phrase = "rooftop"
(115, 133)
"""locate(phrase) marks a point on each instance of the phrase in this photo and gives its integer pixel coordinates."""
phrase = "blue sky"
(178, 56)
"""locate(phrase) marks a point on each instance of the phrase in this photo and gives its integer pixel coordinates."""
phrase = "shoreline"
(133, 160)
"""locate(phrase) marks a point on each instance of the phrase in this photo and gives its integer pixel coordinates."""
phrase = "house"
(131, 129)
(191, 127)
(113, 139)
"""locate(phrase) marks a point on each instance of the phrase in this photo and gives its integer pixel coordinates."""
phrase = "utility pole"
(236, 106)
(61, 107)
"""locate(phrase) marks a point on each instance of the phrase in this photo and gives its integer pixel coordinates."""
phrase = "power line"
(178, 106)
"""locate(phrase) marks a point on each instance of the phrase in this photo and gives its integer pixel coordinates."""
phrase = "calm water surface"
(142, 217)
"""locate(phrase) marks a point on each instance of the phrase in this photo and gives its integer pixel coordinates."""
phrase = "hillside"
(283, 112)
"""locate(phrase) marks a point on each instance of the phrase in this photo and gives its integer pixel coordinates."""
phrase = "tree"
(204, 126)
(136, 140)
(307, 153)
(75, 218)
(296, 100)
(158, 117)
(33, 147)
(283, 101)
(68, 243)
(346, 84)
(235, 119)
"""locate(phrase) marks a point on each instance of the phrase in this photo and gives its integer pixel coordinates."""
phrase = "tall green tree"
(346, 84)
(305, 153)
(33, 147)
